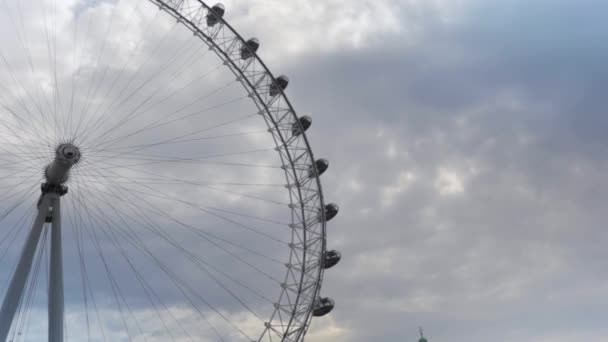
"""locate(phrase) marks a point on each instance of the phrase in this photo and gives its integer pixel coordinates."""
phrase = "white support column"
(17, 285)
(56, 173)
(56, 318)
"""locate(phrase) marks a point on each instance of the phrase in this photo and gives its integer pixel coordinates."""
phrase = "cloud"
(466, 147)
(494, 118)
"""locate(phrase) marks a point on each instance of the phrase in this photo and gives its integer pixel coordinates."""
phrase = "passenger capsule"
(250, 47)
(280, 84)
(332, 258)
(322, 307)
(321, 165)
(215, 14)
(302, 125)
(331, 210)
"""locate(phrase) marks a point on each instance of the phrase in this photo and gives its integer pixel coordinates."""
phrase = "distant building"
(422, 339)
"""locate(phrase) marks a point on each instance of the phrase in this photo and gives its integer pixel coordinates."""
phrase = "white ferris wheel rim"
(297, 326)
(300, 289)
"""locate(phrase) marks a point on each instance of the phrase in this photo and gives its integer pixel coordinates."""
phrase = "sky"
(466, 141)
(468, 155)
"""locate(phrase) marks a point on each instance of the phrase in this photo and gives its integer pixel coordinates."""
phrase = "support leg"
(18, 281)
(56, 274)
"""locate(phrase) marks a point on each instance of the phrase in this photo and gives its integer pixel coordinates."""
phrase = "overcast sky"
(468, 149)
(466, 141)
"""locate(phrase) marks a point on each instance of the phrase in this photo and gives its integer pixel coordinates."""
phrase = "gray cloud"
(466, 145)
(505, 98)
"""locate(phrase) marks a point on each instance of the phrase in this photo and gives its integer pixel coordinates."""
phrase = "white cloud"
(404, 180)
(449, 182)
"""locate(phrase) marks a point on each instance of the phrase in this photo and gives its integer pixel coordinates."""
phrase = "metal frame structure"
(304, 276)
(49, 210)
(293, 309)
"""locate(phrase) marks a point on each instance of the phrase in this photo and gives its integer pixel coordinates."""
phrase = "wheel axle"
(66, 156)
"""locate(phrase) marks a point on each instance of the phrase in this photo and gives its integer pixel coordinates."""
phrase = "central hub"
(66, 156)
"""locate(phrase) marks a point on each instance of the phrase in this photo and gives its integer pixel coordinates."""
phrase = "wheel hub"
(66, 156)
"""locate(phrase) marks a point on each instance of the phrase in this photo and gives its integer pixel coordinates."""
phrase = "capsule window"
(280, 84)
(215, 14)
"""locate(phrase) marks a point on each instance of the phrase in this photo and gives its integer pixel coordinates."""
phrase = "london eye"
(158, 184)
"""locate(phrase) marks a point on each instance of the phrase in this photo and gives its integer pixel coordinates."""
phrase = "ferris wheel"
(157, 183)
